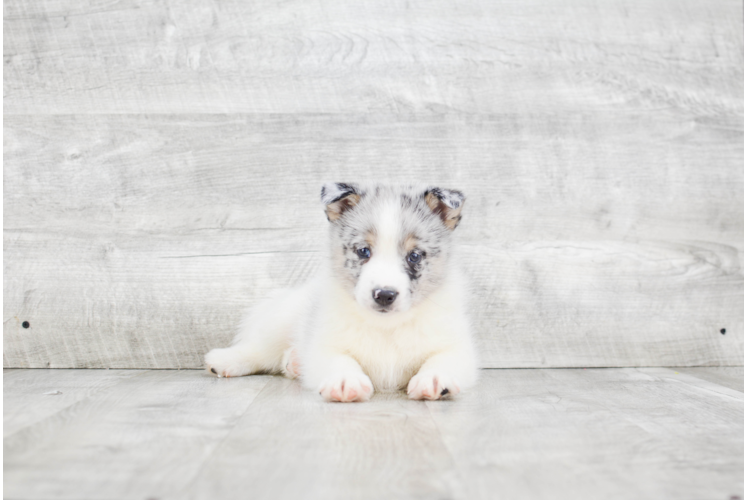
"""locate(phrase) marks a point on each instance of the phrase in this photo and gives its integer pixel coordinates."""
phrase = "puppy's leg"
(339, 378)
(291, 366)
(265, 335)
(445, 374)
(242, 359)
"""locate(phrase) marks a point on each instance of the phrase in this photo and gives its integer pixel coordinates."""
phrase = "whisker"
(435, 302)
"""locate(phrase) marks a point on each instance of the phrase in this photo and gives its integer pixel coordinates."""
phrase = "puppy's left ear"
(447, 204)
(338, 198)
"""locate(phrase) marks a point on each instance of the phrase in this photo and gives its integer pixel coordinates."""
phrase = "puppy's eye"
(414, 257)
(363, 253)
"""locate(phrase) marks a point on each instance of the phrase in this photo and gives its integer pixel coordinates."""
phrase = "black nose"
(384, 297)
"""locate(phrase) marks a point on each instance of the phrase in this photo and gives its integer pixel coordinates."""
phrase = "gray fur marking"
(418, 221)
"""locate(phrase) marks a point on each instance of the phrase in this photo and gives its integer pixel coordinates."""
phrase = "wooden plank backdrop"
(162, 164)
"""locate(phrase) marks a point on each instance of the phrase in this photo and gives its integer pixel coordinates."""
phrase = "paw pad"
(432, 386)
(347, 388)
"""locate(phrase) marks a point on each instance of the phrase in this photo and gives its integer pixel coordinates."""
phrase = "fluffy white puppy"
(386, 312)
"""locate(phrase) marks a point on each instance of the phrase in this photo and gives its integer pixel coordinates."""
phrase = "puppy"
(386, 312)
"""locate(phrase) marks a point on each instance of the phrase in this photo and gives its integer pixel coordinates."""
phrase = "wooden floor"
(635, 433)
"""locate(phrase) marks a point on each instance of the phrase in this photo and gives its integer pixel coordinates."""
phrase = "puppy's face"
(389, 244)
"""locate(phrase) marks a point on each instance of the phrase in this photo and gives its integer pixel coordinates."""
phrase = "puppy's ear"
(338, 198)
(447, 204)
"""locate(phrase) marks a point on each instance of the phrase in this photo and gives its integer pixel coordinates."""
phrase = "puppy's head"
(389, 245)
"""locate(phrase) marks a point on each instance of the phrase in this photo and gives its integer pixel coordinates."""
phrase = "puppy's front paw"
(346, 388)
(432, 385)
(227, 362)
(291, 364)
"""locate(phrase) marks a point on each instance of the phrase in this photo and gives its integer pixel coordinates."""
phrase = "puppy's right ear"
(338, 198)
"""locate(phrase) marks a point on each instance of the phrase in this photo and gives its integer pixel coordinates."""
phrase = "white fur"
(384, 269)
(342, 347)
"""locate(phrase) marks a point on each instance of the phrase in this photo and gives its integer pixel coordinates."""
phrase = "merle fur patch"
(426, 218)
(447, 204)
(338, 198)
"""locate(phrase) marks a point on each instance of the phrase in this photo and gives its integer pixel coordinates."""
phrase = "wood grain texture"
(559, 434)
(387, 448)
(136, 241)
(162, 163)
(617, 434)
(728, 376)
(30, 396)
(144, 437)
(745, 434)
(135, 56)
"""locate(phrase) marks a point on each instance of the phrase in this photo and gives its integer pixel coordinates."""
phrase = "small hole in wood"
(25, 324)
(723, 331)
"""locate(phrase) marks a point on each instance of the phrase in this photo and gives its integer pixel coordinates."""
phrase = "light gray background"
(163, 161)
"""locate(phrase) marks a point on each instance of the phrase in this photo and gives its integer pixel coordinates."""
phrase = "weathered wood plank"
(137, 241)
(146, 437)
(586, 175)
(558, 434)
(300, 57)
(386, 448)
(745, 426)
(578, 434)
(728, 376)
(30, 396)
(136, 308)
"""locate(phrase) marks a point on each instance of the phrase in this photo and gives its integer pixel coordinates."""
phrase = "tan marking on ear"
(450, 216)
(335, 210)
(433, 201)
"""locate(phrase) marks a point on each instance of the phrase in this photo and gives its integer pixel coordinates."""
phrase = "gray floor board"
(729, 376)
(291, 444)
(533, 433)
(144, 438)
(30, 396)
(745, 438)
(606, 433)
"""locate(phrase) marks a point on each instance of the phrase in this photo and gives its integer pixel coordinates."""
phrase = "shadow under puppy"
(386, 311)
